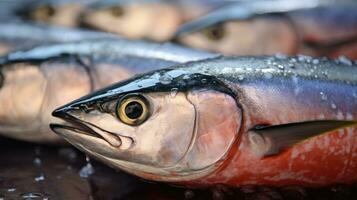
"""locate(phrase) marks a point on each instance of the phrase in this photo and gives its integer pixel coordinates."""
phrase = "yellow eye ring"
(133, 110)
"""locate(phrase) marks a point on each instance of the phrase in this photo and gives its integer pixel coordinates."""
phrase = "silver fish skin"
(113, 48)
(217, 103)
(20, 35)
(36, 81)
(248, 10)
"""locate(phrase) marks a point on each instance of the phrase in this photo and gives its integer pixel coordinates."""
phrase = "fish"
(315, 28)
(36, 81)
(155, 20)
(19, 35)
(138, 19)
(234, 121)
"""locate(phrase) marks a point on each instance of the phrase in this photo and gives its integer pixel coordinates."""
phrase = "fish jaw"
(75, 127)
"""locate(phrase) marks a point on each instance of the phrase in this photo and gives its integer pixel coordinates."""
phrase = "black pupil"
(133, 110)
(216, 32)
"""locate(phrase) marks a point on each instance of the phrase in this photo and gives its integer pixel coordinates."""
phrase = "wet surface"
(30, 171)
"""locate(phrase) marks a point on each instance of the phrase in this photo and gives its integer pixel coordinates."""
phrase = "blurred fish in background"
(150, 19)
(317, 28)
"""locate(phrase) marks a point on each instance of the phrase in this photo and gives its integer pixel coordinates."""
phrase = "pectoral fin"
(271, 140)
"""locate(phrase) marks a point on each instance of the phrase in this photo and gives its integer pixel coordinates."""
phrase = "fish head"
(167, 125)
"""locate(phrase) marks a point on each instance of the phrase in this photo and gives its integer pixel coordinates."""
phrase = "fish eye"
(215, 33)
(44, 12)
(133, 109)
(116, 11)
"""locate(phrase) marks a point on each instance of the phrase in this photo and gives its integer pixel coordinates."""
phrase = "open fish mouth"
(75, 125)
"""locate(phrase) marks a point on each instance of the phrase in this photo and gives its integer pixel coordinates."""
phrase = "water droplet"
(291, 65)
(315, 61)
(301, 58)
(323, 96)
(269, 62)
(203, 80)
(86, 170)
(186, 76)
(304, 58)
(37, 161)
(281, 67)
(325, 74)
(293, 60)
(11, 189)
(31, 195)
(241, 77)
(333, 105)
(40, 178)
(281, 56)
(174, 92)
(165, 79)
(344, 60)
(268, 75)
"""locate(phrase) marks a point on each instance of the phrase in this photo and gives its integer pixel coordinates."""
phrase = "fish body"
(316, 28)
(36, 81)
(18, 35)
(229, 120)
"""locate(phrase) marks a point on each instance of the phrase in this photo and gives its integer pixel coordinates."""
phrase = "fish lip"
(73, 124)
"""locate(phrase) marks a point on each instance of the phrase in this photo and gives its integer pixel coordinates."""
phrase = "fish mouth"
(81, 127)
